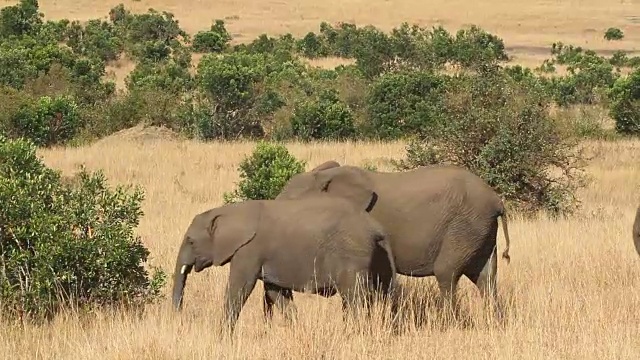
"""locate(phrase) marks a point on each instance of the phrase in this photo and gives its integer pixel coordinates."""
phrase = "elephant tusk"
(183, 269)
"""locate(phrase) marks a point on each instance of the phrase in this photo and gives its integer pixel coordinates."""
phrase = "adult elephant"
(441, 220)
(636, 231)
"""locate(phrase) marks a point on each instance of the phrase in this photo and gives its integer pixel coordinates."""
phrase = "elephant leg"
(355, 292)
(486, 281)
(384, 289)
(282, 298)
(241, 284)
(447, 274)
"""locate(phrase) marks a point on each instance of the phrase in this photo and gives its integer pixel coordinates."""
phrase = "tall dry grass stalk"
(571, 289)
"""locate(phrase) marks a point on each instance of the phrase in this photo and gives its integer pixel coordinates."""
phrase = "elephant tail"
(382, 240)
(505, 229)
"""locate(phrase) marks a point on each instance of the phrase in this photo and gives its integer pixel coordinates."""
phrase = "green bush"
(324, 118)
(406, 47)
(619, 59)
(402, 103)
(229, 81)
(474, 48)
(264, 173)
(151, 36)
(230, 86)
(96, 38)
(168, 75)
(373, 52)
(501, 130)
(589, 76)
(587, 80)
(33, 57)
(241, 91)
(312, 46)
(67, 243)
(264, 44)
(149, 26)
(342, 40)
(46, 121)
(613, 34)
(20, 19)
(37, 52)
(625, 104)
(215, 40)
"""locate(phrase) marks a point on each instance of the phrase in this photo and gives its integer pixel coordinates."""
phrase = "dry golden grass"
(572, 285)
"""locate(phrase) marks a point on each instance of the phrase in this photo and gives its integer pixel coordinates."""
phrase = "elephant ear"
(350, 184)
(234, 227)
(326, 165)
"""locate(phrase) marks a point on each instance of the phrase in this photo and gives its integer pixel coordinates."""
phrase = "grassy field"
(571, 287)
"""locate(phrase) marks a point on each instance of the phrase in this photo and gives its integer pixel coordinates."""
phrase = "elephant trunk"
(184, 264)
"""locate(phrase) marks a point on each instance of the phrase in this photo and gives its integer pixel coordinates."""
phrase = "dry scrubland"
(528, 28)
(572, 285)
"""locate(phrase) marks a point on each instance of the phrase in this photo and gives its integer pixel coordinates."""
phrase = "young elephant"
(314, 245)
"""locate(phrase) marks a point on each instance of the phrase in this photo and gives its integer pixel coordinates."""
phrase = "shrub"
(150, 26)
(625, 104)
(20, 19)
(264, 173)
(67, 243)
(46, 121)
(54, 30)
(216, 39)
(402, 103)
(265, 44)
(421, 48)
(613, 34)
(229, 85)
(168, 75)
(587, 79)
(33, 56)
(589, 75)
(243, 90)
(229, 80)
(151, 36)
(89, 89)
(500, 129)
(96, 38)
(312, 46)
(325, 117)
(373, 52)
(341, 40)
(474, 48)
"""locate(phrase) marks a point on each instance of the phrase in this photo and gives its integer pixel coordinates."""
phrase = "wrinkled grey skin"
(636, 231)
(441, 220)
(314, 245)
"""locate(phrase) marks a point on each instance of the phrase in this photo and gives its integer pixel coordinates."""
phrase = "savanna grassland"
(572, 288)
